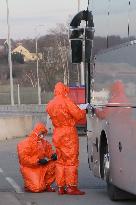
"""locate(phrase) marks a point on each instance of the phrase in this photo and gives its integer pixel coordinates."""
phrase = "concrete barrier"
(19, 126)
(15, 126)
(18, 121)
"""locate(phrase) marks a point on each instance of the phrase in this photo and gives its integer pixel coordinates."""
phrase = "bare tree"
(29, 78)
(55, 63)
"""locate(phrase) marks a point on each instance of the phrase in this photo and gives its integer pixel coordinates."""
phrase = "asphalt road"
(11, 181)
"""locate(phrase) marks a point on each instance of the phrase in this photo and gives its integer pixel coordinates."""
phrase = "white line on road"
(16, 187)
(31, 203)
(12, 182)
(1, 170)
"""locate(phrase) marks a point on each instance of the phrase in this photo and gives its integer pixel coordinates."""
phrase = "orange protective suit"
(117, 96)
(30, 150)
(64, 115)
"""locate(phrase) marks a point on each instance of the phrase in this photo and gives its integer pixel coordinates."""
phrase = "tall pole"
(9, 57)
(89, 36)
(37, 69)
(18, 94)
(78, 5)
(37, 64)
(90, 4)
(81, 66)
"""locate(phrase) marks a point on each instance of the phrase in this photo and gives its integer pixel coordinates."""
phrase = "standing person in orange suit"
(64, 115)
(37, 161)
(118, 97)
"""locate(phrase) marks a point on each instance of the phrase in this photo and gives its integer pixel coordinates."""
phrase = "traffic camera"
(76, 37)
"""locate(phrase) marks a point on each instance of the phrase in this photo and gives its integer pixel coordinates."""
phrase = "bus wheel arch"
(114, 192)
(103, 150)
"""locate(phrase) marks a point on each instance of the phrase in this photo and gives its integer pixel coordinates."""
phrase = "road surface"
(11, 183)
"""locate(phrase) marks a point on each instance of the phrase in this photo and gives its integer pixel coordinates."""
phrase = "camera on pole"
(76, 38)
(89, 35)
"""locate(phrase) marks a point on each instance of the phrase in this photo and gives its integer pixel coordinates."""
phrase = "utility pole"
(89, 37)
(90, 4)
(37, 64)
(81, 66)
(18, 94)
(37, 69)
(78, 65)
(9, 57)
(78, 5)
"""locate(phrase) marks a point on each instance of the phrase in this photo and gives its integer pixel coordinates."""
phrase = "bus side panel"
(122, 150)
(117, 65)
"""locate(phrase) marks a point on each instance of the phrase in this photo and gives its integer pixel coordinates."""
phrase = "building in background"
(28, 56)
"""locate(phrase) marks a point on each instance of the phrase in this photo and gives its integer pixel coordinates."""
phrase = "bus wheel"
(116, 194)
(111, 189)
(106, 166)
(113, 192)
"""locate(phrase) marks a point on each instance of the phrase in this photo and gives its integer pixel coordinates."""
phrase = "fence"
(27, 95)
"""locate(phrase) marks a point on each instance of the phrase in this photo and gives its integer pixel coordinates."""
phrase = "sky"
(29, 16)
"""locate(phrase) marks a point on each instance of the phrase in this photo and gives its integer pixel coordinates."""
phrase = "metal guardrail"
(23, 109)
(37, 112)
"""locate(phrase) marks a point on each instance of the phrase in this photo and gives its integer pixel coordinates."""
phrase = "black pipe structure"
(76, 38)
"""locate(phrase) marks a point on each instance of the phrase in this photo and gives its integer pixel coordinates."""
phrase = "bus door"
(93, 138)
(93, 144)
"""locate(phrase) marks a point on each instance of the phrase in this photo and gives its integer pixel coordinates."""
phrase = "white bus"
(111, 89)
(111, 130)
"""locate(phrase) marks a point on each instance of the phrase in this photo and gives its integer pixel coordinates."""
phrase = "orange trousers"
(36, 179)
(67, 148)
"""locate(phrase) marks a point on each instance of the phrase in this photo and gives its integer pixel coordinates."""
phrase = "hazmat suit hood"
(61, 89)
(118, 97)
(117, 88)
(39, 128)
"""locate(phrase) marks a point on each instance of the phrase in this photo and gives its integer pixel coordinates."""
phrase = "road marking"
(28, 203)
(12, 182)
(16, 187)
(1, 170)
(31, 203)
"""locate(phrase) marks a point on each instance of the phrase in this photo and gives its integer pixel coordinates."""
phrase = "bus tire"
(116, 194)
(112, 192)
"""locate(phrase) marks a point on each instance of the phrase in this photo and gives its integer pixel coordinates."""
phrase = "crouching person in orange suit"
(37, 161)
(64, 115)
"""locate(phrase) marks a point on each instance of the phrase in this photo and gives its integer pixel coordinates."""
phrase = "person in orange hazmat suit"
(64, 115)
(37, 161)
(118, 97)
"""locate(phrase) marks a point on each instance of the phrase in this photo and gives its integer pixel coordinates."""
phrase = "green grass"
(28, 95)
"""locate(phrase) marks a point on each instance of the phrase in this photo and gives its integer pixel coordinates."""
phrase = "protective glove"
(93, 109)
(83, 106)
(42, 161)
(54, 156)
